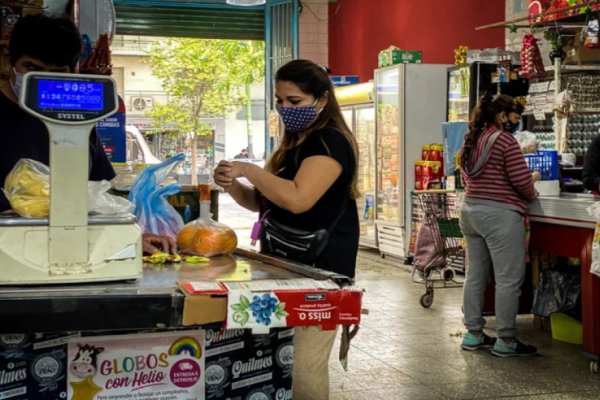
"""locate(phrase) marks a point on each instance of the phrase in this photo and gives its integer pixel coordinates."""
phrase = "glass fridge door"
(348, 114)
(390, 170)
(364, 131)
(458, 94)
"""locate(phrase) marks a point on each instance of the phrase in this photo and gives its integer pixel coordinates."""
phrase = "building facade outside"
(141, 90)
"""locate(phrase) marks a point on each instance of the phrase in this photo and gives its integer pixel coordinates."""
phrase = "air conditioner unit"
(141, 103)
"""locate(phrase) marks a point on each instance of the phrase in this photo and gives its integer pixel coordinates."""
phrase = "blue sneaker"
(474, 342)
(516, 348)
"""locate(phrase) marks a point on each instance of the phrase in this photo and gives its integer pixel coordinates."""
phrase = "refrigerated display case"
(410, 104)
(466, 83)
(358, 109)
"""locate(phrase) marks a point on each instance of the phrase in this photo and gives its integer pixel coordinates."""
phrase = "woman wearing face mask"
(513, 120)
(498, 188)
(308, 183)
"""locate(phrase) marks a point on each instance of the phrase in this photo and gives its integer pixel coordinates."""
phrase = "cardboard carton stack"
(429, 169)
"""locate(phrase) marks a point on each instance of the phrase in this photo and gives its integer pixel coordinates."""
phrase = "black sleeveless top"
(340, 254)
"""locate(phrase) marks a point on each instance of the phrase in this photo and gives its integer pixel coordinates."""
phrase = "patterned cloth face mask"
(296, 119)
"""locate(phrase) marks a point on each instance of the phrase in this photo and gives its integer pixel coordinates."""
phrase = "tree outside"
(203, 78)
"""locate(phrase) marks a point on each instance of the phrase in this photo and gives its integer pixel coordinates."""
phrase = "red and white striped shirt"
(505, 178)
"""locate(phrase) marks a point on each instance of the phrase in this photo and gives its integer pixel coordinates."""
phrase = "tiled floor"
(404, 351)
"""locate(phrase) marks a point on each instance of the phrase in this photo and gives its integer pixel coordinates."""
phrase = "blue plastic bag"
(153, 211)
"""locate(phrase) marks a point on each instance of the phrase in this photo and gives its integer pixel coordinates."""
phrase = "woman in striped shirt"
(498, 188)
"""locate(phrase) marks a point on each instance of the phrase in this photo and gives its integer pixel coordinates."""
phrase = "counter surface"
(567, 209)
(153, 301)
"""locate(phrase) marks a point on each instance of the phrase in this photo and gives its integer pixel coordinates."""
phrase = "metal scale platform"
(69, 246)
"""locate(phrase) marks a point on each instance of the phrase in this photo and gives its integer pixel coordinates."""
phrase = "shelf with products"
(582, 129)
(544, 132)
(575, 68)
(388, 148)
(10, 12)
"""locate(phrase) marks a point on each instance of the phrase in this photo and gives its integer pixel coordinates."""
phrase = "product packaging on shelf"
(537, 7)
(430, 168)
(492, 55)
(578, 53)
(393, 55)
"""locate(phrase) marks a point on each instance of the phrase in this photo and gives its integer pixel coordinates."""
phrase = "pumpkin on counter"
(206, 238)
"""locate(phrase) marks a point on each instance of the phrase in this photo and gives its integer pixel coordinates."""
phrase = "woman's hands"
(226, 172)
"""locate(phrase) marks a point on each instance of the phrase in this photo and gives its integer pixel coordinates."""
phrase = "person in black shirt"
(591, 166)
(39, 43)
(46, 44)
(309, 181)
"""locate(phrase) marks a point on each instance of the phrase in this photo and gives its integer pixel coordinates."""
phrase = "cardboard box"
(241, 365)
(33, 366)
(203, 306)
(295, 302)
(262, 305)
(393, 55)
(579, 54)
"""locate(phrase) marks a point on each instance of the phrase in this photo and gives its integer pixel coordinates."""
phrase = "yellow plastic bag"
(27, 188)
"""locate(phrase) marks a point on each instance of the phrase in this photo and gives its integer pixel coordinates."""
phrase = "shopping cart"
(439, 249)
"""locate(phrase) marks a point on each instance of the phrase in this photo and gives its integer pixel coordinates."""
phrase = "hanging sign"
(344, 80)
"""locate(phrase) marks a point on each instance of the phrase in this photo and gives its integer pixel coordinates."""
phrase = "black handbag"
(295, 244)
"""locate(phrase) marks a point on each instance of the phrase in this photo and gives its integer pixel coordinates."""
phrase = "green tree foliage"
(203, 78)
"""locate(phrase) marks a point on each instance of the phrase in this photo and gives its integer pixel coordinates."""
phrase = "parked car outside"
(138, 150)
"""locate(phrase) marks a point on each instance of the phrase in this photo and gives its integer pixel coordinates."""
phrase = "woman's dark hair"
(484, 115)
(54, 41)
(312, 79)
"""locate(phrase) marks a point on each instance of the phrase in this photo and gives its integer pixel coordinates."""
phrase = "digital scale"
(69, 246)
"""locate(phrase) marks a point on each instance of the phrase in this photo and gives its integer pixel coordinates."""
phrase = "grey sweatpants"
(495, 244)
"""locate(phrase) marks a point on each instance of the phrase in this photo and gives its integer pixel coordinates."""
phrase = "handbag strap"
(329, 228)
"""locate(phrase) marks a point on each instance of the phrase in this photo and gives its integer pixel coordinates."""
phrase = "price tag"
(538, 87)
(539, 115)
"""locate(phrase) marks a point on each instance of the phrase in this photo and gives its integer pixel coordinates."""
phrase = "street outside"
(237, 218)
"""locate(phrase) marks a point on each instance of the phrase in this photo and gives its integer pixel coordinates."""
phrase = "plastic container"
(545, 162)
(566, 329)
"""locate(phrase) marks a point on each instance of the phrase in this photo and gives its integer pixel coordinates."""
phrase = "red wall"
(359, 29)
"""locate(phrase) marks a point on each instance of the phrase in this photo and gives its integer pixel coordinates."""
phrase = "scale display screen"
(70, 99)
(65, 95)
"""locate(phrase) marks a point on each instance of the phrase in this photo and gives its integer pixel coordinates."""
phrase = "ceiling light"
(245, 2)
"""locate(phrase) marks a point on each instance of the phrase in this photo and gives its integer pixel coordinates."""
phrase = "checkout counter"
(153, 301)
(41, 325)
(562, 226)
(87, 281)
